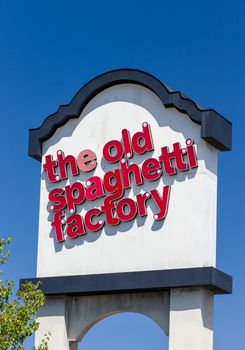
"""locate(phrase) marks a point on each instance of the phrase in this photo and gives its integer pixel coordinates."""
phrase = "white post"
(73, 345)
(191, 319)
(52, 318)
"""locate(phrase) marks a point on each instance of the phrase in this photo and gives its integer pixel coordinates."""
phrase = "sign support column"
(53, 319)
(191, 319)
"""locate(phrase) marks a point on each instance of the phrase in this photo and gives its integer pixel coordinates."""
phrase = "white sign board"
(185, 236)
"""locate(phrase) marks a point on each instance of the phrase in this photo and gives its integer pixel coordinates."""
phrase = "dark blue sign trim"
(131, 282)
(215, 129)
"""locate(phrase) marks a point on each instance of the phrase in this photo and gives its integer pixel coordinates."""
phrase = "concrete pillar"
(191, 319)
(86, 311)
(52, 318)
(187, 315)
(73, 345)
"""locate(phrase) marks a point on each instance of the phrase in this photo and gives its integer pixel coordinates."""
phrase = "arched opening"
(125, 331)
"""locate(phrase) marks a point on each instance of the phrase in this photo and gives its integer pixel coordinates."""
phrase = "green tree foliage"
(18, 312)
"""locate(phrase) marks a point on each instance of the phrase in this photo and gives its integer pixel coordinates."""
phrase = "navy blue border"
(215, 129)
(131, 282)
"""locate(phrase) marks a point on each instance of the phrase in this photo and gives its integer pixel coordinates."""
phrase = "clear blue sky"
(49, 49)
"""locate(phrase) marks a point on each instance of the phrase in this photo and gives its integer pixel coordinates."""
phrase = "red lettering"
(94, 188)
(130, 169)
(108, 208)
(166, 158)
(56, 197)
(88, 220)
(63, 162)
(113, 184)
(178, 154)
(121, 209)
(75, 194)
(107, 151)
(49, 167)
(151, 169)
(57, 226)
(141, 203)
(86, 160)
(75, 226)
(127, 143)
(191, 153)
(161, 202)
(144, 136)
